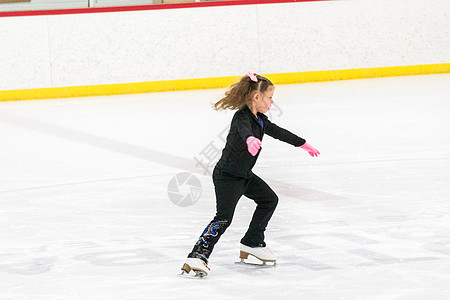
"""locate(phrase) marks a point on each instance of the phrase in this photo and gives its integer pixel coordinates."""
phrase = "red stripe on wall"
(142, 7)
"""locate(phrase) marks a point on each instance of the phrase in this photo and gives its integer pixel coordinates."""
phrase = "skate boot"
(198, 267)
(263, 256)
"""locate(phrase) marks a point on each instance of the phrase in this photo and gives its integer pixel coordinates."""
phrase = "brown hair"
(238, 95)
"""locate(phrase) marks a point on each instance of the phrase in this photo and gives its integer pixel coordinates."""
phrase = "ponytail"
(239, 93)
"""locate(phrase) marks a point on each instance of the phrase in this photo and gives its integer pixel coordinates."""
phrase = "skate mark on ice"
(123, 257)
(101, 142)
(348, 237)
(61, 185)
(250, 270)
(438, 247)
(34, 266)
(301, 261)
(384, 259)
(295, 191)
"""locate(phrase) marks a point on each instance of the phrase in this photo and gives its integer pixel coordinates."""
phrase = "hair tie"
(252, 76)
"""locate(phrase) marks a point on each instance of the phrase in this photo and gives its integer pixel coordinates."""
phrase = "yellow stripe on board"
(217, 82)
(316, 76)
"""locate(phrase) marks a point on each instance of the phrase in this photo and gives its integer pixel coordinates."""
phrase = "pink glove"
(253, 145)
(310, 149)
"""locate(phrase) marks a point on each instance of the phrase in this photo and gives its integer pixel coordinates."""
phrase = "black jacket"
(236, 160)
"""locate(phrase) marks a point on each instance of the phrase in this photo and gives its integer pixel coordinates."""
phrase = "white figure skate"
(198, 267)
(264, 256)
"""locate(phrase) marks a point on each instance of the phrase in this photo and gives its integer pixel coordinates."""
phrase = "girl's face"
(263, 101)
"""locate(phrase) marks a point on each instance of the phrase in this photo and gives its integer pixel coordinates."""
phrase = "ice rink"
(86, 213)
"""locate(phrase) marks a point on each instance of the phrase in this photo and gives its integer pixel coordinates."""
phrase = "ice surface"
(85, 211)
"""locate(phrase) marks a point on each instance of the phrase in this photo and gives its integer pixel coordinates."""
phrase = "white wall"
(88, 49)
(61, 4)
(43, 4)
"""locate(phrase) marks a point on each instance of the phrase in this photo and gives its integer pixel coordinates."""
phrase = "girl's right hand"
(253, 145)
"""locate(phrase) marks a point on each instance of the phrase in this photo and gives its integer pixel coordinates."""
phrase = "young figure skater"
(233, 177)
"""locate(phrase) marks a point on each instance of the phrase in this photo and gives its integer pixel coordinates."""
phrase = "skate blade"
(262, 264)
(192, 273)
(195, 274)
(245, 255)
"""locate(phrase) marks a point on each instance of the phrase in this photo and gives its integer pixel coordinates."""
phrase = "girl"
(233, 177)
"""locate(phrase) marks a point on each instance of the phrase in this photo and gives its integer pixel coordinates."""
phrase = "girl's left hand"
(310, 149)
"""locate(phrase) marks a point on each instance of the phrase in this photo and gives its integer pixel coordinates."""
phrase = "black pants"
(229, 190)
